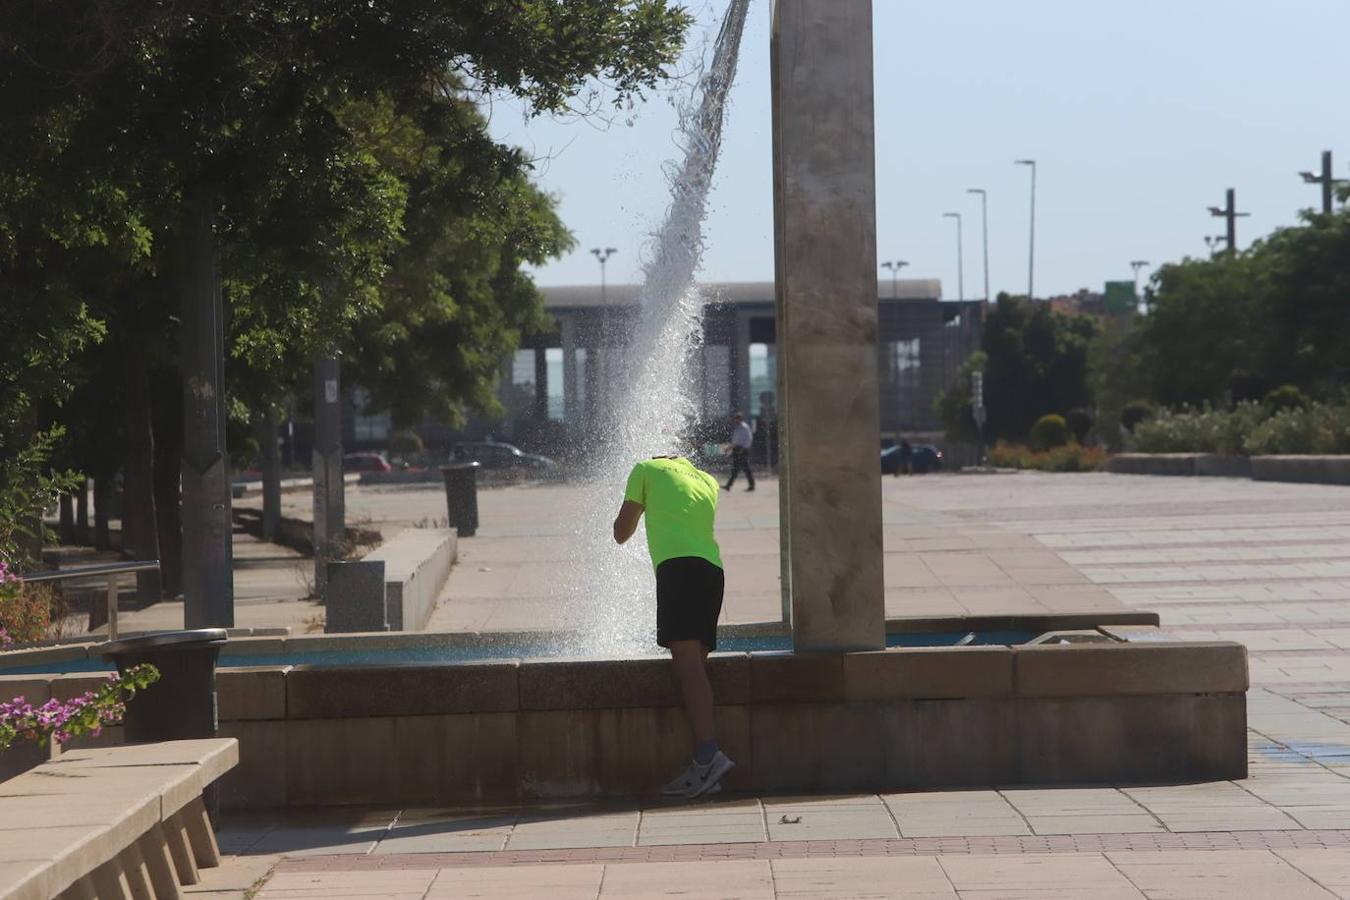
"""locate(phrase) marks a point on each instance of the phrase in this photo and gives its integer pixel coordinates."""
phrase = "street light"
(602, 257)
(1137, 264)
(894, 266)
(1031, 255)
(984, 222)
(960, 264)
(1326, 180)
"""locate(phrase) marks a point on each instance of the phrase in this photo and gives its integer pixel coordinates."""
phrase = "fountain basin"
(905, 718)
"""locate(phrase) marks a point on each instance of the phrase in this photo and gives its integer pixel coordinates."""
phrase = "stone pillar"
(571, 398)
(329, 521)
(270, 457)
(740, 365)
(825, 266)
(208, 555)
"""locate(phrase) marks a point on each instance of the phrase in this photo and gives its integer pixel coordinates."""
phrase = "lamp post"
(894, 266)
(1137, 264)
(602, 257)
(960, 263)
(984, 225)
(1031, 255)
(1230, 214)
(1326, 180)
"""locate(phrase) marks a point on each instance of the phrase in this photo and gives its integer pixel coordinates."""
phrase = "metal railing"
(111, 570)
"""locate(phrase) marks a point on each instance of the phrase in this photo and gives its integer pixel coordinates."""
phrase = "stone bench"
(413, 567)
(111, 822)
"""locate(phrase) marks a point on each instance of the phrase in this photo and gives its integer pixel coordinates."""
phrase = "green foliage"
(1316, 428)
(1135, 411)
(955, 407)
(1037, 363)
(1071, 457)
(1116, 374)
(404, 443)
(1249, 428)
(27, 488)
(1079, 422)
(1284, 397)
(1049, 432)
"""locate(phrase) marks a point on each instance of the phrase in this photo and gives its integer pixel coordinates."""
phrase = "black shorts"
(688, 601)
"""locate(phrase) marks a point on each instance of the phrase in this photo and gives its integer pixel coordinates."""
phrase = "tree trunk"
(168, 433)
(82, 512)
(271, 473)
(103, 491)
(67, 530)
(140, 536)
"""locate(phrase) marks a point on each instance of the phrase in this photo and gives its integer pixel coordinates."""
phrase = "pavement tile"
(563, 882)
(1329, 868)
(1039, 875)
(1215, 873)
(840, 878)
(729, 880)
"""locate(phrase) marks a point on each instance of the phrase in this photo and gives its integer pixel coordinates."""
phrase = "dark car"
(365, 462)
(923, 458)
(493, 455)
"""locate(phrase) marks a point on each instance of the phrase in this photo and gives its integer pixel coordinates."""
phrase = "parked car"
(365, 462)
(493, 455)
(923, 458)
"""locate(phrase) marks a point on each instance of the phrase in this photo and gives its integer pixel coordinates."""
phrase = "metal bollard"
(461, 496)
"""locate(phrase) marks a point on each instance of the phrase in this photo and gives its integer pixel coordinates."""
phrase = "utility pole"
(1031, 256)
(329, 499)
(894, 266)
(1230, 214)
(1326, 180)
(984, 224)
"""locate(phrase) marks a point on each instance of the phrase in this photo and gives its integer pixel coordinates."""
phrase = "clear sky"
(1139, 115)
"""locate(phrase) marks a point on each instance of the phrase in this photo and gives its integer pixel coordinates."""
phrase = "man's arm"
(626, 522)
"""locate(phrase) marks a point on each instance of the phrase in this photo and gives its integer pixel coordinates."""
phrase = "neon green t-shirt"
(679, 502)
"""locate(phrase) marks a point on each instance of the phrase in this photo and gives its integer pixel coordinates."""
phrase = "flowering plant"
(87, 714)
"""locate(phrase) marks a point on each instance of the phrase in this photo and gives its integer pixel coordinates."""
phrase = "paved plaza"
(1264, 564)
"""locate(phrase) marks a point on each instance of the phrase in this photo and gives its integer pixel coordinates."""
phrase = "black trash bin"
(461, 496)
(182, 704)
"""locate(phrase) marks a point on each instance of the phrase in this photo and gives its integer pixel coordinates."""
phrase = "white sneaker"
(699, 779)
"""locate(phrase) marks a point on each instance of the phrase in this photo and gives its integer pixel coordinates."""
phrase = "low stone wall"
(1208, 464)
(898, 719)
(1292, 468)
(417, 563)
(1305, 469)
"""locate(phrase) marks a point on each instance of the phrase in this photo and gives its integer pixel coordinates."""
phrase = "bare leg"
(690, 658)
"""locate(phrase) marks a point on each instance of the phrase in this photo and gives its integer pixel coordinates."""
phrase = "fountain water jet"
(610, 591)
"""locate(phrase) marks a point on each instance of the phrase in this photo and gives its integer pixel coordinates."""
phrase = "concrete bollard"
(461, 496)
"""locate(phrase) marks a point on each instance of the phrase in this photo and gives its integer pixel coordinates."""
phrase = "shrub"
(1249, 428)
(1049, 432)
(59, 721)
(1071, 457)
(26, 610)
(1080, 423)
(1134, 413)
(1284, 397)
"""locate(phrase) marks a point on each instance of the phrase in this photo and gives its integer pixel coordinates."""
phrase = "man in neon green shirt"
(680, 502)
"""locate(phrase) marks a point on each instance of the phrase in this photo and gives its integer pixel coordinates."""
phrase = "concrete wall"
(417, 562)
(1306, 469)
(896, 719)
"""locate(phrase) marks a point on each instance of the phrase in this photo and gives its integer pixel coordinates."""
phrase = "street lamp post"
(1326, 180)
(960, 263)
(1031, 255)
(602, 256)
(894, 266)
(1230, 215)
(984, 224)
(1137, 264)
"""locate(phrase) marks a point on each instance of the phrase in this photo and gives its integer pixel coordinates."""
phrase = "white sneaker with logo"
(698, 780)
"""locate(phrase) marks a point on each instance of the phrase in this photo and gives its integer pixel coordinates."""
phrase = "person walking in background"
(741, 439)
(680, 503)
(906, 458)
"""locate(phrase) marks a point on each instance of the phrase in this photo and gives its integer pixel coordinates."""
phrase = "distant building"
(1083, 303)
(555, 385)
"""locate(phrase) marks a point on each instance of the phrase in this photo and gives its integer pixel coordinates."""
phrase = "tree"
(1036, 364)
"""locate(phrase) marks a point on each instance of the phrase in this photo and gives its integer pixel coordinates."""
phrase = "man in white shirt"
(741, 439)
